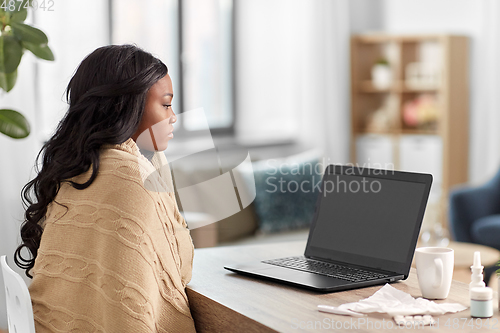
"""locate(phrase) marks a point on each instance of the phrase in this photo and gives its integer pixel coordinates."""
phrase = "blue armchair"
(475, 215)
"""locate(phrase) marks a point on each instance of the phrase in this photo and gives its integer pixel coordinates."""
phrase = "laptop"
(363, 233)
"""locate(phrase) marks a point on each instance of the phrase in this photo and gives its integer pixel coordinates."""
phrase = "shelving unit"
(413, 123)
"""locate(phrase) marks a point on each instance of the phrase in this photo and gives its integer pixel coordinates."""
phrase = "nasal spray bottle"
(477, 272)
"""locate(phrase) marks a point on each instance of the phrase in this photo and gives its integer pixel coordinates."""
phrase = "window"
(194, 38)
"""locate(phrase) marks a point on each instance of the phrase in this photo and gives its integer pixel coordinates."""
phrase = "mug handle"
(439, 273)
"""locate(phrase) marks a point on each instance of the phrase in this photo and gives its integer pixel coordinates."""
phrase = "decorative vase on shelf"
(381, 74)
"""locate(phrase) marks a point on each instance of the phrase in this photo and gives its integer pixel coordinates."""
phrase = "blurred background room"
(406, 84)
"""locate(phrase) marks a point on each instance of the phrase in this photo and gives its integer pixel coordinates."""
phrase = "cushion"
(486, 231)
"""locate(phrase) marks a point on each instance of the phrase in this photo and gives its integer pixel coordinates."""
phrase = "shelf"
(398, 87)
(418, 90)
(368, 87)
(403, 131)
(377, 132)
(376, 38)
(419, 131)
(407, 89)
(443, 148)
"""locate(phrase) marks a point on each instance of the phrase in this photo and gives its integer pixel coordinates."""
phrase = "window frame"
(217, 131)
(180, 65)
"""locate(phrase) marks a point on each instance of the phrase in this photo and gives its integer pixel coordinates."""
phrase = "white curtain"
(485, 141)
(267, 69)
(292, 73)
(324, 90)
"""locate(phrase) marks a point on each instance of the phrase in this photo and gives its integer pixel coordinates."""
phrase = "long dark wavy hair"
(106, 97)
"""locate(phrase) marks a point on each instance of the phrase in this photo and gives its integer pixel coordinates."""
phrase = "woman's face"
(156, 126)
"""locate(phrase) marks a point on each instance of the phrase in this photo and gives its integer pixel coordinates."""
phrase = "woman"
(108, 253)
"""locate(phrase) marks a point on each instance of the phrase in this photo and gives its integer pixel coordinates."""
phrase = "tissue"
(396, 302)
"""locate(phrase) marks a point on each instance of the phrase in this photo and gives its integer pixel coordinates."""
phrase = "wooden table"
(222, 301)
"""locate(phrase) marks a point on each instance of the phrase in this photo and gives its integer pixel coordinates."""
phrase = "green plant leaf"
(28, 33)
(19, 13)
(11, 52)
(19, 16)
(7, 81)
(13, 124)
(41, 51)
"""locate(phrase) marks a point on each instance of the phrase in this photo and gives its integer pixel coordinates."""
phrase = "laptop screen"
(369, 219)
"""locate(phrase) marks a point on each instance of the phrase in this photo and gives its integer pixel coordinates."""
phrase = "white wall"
(74, 28)
(365, 15)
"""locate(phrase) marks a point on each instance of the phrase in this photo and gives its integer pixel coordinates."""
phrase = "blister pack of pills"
(414, 321)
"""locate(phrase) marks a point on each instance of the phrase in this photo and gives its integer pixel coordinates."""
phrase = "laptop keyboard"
(325, 268)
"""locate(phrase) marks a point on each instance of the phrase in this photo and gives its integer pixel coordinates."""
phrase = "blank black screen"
(375, 219)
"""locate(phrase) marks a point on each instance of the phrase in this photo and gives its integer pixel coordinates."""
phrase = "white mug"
(434, 271)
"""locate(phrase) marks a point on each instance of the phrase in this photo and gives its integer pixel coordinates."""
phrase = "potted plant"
(15, 38)
(381, 74)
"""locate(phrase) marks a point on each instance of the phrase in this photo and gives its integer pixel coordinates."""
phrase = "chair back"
(19, 308)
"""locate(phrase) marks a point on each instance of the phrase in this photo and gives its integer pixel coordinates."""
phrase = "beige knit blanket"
(116, 256)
